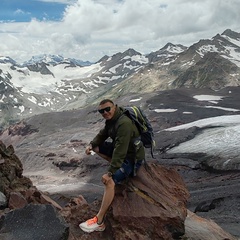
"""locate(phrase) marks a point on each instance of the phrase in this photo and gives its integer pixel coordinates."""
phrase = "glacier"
(220, 137)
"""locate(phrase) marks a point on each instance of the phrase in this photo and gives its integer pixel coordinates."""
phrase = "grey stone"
(33, 222)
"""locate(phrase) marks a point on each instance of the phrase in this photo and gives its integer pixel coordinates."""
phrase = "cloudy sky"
(90, 29)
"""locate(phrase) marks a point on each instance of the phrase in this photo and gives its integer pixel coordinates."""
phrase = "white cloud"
(90, 29)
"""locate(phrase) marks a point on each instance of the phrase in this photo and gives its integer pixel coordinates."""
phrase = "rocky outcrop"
(25, 212)
(149, 206)
(11, 172)
(152, 205)
(16, 190)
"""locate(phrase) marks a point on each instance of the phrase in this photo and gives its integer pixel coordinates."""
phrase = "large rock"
(16, 200)
(11, 169)
(198, 228)
(149, 206)
(16, 191)
(33, 222)
(153, 204)
(37, 221)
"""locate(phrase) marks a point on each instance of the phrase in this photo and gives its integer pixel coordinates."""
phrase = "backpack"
(143, 124)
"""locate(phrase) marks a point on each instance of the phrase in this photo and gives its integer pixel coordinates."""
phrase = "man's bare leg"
(107, 199)
(97, 223)
(109, 191)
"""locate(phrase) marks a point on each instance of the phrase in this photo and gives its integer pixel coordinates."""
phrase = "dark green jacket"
(123, 132)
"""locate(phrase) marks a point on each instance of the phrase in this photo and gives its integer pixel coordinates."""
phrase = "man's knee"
(110, 184)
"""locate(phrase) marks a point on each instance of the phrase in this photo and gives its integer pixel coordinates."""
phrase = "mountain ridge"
(53, 83)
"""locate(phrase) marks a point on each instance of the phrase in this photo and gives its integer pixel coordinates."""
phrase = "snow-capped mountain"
(54, 60)
(7, 60)
(54, 83)
(210, 63)
(166, 53)
(51, 83)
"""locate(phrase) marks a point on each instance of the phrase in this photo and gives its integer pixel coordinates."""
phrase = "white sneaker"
(92, 225)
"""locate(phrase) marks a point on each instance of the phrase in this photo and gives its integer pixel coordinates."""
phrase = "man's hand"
(106, 178)
(88, 149)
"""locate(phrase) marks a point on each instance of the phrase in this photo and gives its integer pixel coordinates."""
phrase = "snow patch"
(164, 110)
(208, 97)
(135, 100)
(214, 121)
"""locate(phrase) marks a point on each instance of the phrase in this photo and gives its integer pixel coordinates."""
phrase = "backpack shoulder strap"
(136, 115)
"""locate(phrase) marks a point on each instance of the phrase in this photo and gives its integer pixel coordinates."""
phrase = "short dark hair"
(106, 101)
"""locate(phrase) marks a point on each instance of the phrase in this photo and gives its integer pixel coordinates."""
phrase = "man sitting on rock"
(125, 154)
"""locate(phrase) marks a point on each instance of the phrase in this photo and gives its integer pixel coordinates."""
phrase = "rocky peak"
(231, 34)
(177, 48)
(119, 57)
(210, 71)
(168, 51)
(41, 67)
(103, 59)
(7, 60)
(131, 52)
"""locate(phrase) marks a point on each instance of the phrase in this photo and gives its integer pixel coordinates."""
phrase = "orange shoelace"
(92, 221)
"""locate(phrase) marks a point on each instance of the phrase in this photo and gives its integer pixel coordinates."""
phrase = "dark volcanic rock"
(33, 222)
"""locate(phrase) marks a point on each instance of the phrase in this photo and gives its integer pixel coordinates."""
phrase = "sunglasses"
(107, 109)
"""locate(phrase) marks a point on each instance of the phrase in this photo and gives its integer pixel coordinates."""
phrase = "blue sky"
(25, 11)
(90, 29)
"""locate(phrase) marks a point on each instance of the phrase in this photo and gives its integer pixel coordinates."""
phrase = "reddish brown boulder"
(16, 200)
(153, 205)
(149, 206)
